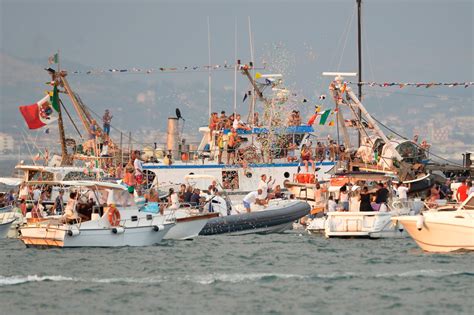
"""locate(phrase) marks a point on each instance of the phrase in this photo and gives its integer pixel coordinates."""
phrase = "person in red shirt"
(461, 193)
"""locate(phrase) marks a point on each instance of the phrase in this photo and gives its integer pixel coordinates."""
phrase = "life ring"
(114, 216)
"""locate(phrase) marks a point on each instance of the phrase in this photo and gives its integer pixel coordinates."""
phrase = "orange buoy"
(114, 216)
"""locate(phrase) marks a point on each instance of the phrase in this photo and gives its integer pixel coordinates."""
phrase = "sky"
(403, 41)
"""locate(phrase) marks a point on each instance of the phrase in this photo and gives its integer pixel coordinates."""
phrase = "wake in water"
(232, 278)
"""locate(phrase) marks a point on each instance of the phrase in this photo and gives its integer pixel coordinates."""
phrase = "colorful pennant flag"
(324, 117)
(39, 114)
(53, 59)
(55, 99)
(312, 119)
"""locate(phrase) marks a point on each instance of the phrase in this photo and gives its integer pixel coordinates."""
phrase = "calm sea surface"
(255, 274)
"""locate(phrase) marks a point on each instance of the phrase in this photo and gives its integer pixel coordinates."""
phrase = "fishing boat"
(114, 225)
(442, 229)
(262, 147)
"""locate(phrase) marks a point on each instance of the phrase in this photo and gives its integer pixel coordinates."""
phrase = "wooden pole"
(121, 148)
(359, 42)
(75, 103)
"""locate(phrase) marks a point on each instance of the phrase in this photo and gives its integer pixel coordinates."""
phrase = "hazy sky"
(403, 41)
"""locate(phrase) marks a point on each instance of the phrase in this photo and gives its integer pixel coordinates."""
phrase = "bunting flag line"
(179, 69)
(417, 85)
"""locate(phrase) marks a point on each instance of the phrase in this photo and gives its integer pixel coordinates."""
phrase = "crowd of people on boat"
(363, 197)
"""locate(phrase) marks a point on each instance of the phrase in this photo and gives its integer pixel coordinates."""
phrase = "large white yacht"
(442, 229)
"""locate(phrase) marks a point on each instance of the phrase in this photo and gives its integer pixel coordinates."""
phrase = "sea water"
(290, 273)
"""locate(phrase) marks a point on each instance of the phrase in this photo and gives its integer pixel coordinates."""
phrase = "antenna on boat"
(210, 66)
(252, 62)
(236, 65)
(359, 45)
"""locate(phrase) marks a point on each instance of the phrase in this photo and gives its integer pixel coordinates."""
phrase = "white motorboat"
(370, 224)
(119, 225)
(442, 229)
(16, 220)
(5, 226)
(188, 224)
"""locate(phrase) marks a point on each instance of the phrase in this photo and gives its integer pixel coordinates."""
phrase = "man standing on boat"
(253, 197)
(265, 185)
(106, 119)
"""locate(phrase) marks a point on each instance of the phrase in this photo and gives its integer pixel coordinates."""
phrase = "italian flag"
(324, 117)
(39, 114)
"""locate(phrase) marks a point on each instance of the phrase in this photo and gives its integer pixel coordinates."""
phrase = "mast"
(359, 46)
(235, 68)
(209, 55)
(252, 61)
(62, 138)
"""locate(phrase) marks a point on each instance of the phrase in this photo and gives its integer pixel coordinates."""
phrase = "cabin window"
(79, 176)
(40, 176)
(286, 175)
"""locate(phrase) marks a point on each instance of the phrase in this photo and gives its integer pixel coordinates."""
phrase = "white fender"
(73, 232)
(420, 220)
(118, 230)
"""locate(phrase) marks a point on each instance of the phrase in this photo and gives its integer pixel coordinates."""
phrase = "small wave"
(241, 277)
(433, 273)
(200, 279)
(232, 278)
(14, 280)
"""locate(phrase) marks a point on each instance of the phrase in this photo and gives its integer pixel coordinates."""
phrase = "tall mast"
(209, 55)
(62, 138)
(252, 60)
(359, 45)
(235, 68)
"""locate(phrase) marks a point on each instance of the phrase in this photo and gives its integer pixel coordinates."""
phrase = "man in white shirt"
(402, 192)
(239, 124)
(331, 204)
(138, 165)
(252, 197)
(265, 185)
(36, 194)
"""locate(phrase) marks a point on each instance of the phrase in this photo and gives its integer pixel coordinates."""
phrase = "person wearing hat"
(106, 119)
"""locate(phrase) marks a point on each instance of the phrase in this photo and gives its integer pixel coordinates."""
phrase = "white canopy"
(10, 181)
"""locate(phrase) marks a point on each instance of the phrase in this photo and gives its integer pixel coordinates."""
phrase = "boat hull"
(47, 236)
(263, 222)
(5, 228)
(438, 236)
(189, 227)
(362, 224)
